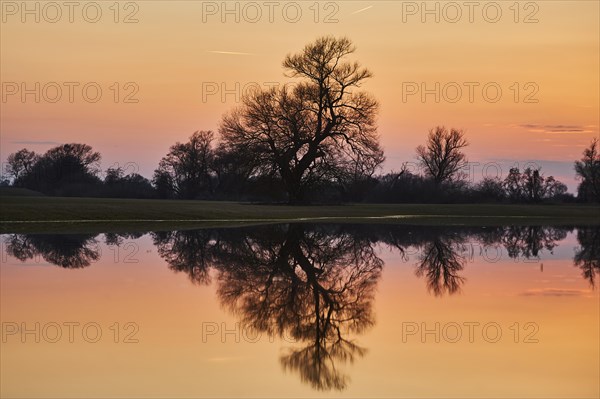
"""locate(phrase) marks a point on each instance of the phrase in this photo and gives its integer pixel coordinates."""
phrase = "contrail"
(362, 9)
(228, 52)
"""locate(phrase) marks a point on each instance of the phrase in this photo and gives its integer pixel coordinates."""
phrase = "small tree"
(588, 170)
(554, 189)
(20, 163)
(185, 171)
(532, 186)
(163, 184)
(442, 156)
(514, 185)
(490, 189)
(132, 185)
(113, 175)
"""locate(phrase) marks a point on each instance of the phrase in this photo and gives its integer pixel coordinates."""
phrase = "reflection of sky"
(172, 360)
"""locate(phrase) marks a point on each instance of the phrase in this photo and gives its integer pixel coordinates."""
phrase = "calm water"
(302, 311)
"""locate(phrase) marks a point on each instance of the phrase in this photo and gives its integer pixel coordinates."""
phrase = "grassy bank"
(38, 214)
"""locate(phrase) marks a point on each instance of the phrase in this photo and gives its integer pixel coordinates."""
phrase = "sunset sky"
(180, 55)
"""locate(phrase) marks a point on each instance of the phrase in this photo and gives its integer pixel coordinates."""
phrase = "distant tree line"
(315, 141)
(202, 169)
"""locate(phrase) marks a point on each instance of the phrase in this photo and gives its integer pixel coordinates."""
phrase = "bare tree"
(442, 157)
(321, 129)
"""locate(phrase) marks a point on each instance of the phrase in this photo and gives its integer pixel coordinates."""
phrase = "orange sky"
(177, 51)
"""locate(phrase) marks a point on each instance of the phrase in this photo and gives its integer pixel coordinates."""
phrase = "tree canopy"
(322, 128)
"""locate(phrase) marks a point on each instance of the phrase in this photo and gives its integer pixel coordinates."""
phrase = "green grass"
(103, 214)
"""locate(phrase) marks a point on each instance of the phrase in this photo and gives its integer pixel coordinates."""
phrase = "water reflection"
(441, 262)
(315, 284)
(530, 241)
(187, 251)
(66, 250)
(120, 238)
(587, 256)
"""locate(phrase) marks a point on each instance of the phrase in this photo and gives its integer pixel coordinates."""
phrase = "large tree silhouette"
(321, 129)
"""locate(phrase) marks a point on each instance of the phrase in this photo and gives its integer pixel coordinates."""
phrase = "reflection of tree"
(587, 256)
(441, 249)
(529, 241)
(440, 263)
(316, 363)
(66, 250)
(118, 238)
(440, 252)
(186, 251)
(315, 286)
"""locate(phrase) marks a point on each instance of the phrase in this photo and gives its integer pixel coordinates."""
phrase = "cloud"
(555, 129)
(554, 292)
(35, 142)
